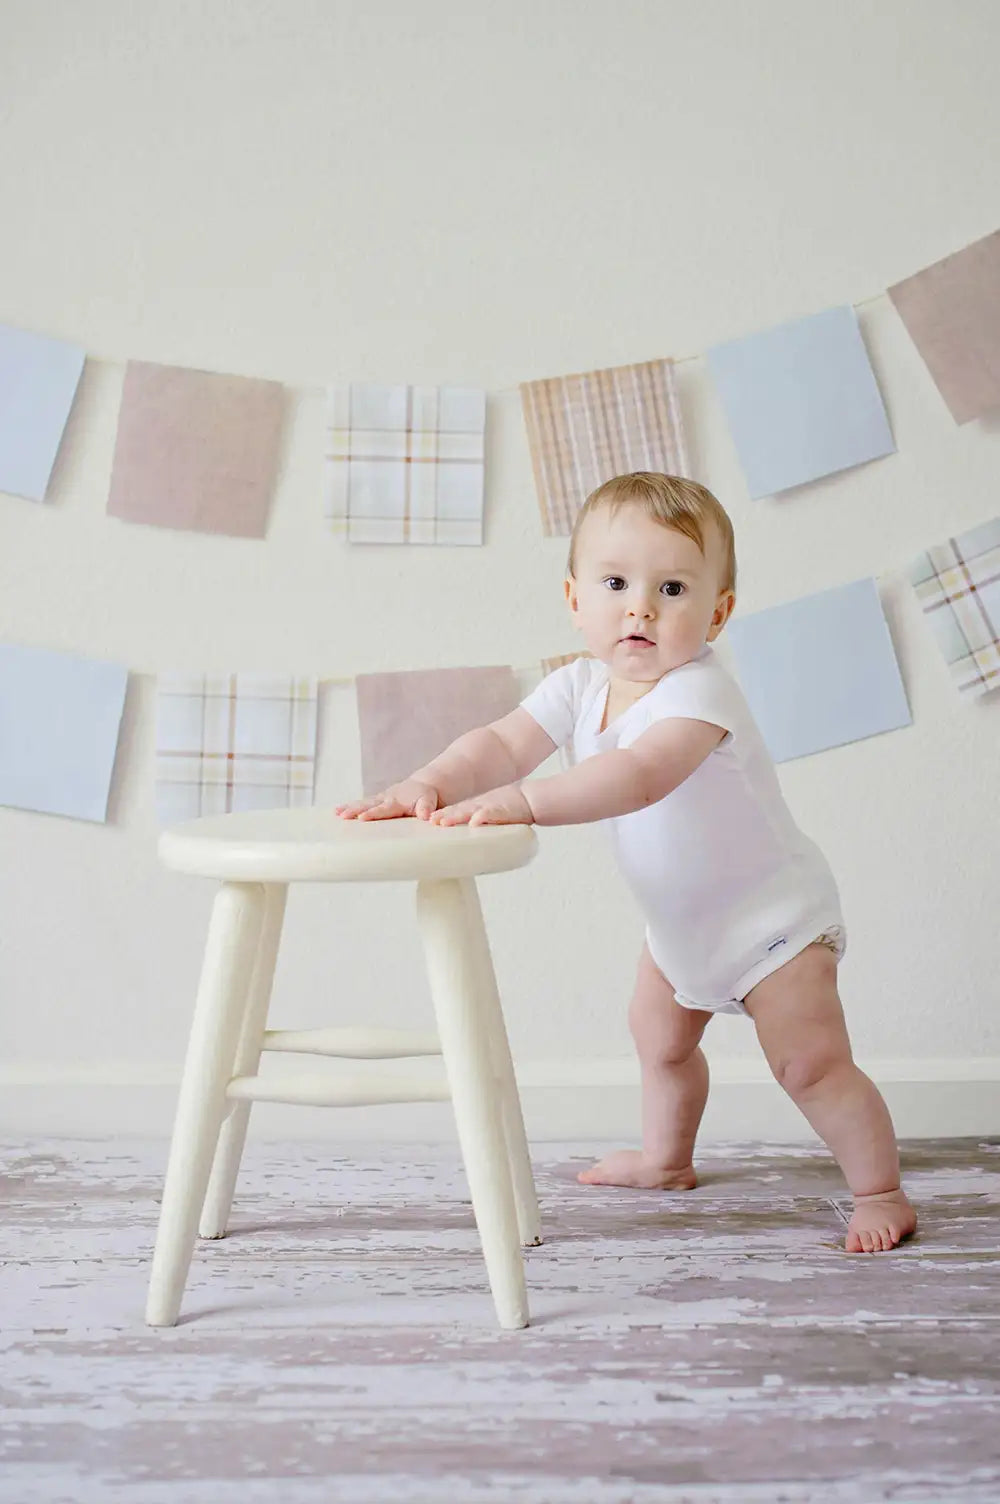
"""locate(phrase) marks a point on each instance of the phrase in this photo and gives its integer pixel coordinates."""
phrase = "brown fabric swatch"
(952, 313)
(196, 450)
(407, 718)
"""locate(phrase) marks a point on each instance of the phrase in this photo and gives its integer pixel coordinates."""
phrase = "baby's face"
(645, 597)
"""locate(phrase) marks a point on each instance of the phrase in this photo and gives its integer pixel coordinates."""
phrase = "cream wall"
(483, 193)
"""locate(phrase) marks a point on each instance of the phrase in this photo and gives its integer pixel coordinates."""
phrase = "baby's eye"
(615, 582)
(672, 587)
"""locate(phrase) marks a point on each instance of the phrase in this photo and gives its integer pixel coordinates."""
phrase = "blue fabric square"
(801, 400)
(820, 671)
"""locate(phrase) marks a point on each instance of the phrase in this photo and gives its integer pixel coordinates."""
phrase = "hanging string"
(494, 391)
(507, 391)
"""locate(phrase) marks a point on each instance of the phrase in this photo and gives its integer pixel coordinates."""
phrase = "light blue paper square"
(38, 381)
(59, 722)
(801, 401)
(820, 671)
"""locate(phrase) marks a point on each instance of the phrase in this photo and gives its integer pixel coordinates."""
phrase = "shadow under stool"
(254, 856)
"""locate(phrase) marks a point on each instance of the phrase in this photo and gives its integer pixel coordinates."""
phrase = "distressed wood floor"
(340, 1345)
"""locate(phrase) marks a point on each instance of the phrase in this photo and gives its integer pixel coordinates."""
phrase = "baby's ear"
(569, 591)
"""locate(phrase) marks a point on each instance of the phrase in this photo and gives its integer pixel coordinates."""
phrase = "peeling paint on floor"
(710, 1346)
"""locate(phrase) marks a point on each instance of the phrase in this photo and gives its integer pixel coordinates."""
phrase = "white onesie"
(729, 885)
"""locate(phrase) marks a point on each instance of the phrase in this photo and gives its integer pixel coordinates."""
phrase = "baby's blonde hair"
(670, 500)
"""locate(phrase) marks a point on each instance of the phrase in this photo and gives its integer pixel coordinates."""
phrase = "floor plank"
(340, 1344)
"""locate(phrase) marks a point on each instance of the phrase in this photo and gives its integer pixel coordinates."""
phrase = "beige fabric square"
(952, 312)
(196, 450)
(405, 719)
(584, 429)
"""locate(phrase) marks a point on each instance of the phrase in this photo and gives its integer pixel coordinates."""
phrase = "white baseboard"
(579, 1099)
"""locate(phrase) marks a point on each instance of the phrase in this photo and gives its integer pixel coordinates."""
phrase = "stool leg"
(454, 972)
(232, 1137)
(233, 935)
(528, 1219)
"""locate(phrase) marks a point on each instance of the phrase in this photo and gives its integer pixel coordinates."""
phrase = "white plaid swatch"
(958, 585)
(233, 742)
(405, 464)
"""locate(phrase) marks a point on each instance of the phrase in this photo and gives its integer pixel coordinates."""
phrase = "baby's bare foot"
(631, 1167)
(880, 1222)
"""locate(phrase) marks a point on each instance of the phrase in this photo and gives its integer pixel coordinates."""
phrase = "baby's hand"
(503, 806)
(411, 797)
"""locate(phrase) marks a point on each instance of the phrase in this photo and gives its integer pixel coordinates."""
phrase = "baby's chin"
(642, 665)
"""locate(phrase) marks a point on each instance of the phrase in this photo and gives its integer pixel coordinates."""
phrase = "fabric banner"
(405, 719)
(958, 585)
(801, 401)
(38, 382)
(584, 429)
(196, 450)
(234, 742)
(952, 313)
(405, 464)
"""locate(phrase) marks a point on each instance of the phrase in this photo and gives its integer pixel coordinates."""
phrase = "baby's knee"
(660, 1040)
(800, 1070)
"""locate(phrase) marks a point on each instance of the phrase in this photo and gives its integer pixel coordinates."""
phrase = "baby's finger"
(385, 809)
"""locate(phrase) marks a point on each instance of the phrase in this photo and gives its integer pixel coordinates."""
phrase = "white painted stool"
(255, 856)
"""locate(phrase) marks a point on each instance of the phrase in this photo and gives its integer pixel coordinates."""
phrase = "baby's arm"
(500, 753)
(627, 779)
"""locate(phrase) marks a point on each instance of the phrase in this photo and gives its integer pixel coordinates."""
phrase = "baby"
(742, 911)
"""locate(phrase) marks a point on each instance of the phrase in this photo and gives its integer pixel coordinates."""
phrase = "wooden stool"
(255, 856)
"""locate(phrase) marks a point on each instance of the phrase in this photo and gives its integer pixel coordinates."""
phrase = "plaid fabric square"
(233, 742)
(958, 585)
(584, 429)
(405, 464)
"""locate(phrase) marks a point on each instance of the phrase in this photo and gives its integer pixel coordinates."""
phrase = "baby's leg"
(674, 1089)
(801, 1028)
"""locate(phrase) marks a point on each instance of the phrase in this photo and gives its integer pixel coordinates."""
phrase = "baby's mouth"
(638, 638)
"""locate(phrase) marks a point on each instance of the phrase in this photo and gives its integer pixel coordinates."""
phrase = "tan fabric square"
(405, 719)
(952, 313)
(196, 450)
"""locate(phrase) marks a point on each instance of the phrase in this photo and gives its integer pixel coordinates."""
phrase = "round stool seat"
(315, 845)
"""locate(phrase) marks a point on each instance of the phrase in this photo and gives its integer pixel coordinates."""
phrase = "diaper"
(832, 936)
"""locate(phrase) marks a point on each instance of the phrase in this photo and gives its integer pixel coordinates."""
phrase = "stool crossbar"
(254, 857)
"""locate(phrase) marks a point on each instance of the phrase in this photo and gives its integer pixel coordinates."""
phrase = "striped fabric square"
(233, 742)
(405, 464)
(584, 429)
(549, 665)
(958, 585)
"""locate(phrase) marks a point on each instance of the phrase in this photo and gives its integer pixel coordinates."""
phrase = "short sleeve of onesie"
(700, 690)
(555, 703)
